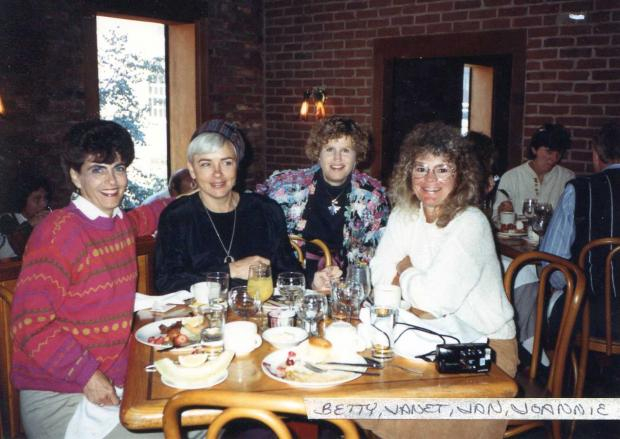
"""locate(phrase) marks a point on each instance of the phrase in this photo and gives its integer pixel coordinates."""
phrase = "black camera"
(463, 358)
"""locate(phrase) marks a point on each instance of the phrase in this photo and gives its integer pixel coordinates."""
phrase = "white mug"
(343, 337)
(200, 291)
(241, 337)
(387, 295)
(507, 218)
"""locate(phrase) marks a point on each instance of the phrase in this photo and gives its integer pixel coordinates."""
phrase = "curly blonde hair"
(332, 128)
(437, 138)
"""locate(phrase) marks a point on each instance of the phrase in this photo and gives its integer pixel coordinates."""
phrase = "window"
(132, 92)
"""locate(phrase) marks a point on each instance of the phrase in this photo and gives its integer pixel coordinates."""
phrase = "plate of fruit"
(168, 333)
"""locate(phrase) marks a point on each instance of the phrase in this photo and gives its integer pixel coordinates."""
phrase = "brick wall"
(42, 75)
(572, 70)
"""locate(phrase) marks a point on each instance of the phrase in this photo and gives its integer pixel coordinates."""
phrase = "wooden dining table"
(513, 247)
(145, 395)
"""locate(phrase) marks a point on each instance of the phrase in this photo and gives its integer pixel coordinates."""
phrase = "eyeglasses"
(441, 172)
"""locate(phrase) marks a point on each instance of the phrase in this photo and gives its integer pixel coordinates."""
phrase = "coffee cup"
(241, 337)
(201, 292)
(343, 337)
(387, 295)
(507, 218)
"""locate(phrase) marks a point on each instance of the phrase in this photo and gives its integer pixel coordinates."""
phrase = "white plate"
(285, 336)
(152, 330)
(199, 384)
(318, 380)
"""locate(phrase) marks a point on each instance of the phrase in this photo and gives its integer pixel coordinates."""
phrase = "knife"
(338, 363)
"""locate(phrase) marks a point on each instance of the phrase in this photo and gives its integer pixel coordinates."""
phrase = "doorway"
(420, 79)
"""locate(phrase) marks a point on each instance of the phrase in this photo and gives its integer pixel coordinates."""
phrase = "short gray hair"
(206, 143)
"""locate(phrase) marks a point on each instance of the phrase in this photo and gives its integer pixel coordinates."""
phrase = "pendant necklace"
(228, 259)
(335, 207)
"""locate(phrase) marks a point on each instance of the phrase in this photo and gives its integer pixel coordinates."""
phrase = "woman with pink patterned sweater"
(73, 305)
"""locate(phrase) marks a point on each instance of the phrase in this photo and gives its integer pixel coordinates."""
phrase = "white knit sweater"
(455, 269)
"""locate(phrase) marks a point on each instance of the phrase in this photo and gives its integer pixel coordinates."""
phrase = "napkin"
(89, 421)
(161, 303)
(180, 376)
(413, 343)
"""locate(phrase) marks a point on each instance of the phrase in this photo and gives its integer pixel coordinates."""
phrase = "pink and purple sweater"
(73, 304)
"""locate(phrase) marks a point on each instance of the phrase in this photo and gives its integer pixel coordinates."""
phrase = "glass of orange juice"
(260, 284)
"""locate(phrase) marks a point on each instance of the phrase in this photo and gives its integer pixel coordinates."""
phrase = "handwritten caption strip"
(463, 408)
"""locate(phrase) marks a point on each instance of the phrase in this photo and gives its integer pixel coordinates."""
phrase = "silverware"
(406, 369)
(338, 363)
(316, 369)
(169, 348)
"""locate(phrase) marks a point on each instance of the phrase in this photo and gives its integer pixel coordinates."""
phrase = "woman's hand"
(403, 265)
(239, 269)
(99, 390)
(322, 279)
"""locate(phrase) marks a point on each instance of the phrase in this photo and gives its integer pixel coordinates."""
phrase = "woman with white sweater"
(438, 245)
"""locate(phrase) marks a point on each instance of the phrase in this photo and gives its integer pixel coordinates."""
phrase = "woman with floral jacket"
(331, 200)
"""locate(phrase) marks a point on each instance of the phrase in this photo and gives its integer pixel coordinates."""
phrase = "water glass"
(359, 273)
(541, 220)
(382, 320)
(311, 307)
(212, 333)
(529, 207)
(218, 282)
(243, 303)
(291, 285)
(347, 298)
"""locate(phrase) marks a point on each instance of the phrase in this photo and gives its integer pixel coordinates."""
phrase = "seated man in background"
(181, 182)
(541, 177)
(589, 209)
(31, 196)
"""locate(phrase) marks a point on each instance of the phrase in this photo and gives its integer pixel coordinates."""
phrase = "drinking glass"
(311, 307)
(218, 283)
(382, 319)
(242, 302)
(212, 333)
(360, 273)
(541, 220)
(347, 298)
(291, 285)
(529, 208)
(260, 284)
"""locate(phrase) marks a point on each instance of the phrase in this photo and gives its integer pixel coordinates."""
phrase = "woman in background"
(332, 201)
(32, 196)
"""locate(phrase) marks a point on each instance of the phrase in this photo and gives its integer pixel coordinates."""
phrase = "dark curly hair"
(438, 139)
(553, 136)
(335, 127)
(103, 139)
(27, 184)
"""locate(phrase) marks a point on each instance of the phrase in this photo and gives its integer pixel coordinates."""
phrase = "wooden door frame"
(386, 50)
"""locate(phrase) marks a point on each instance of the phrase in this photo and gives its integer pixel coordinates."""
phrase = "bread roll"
(318, 349)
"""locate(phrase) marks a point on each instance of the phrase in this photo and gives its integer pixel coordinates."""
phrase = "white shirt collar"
(91, 211)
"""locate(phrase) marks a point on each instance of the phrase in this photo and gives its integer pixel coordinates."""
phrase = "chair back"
(236, 405)
(145, 258)
(613, 250)
(575, 291)
(298, 242)
(9, 404)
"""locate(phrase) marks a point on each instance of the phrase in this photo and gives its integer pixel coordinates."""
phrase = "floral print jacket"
(365, 215)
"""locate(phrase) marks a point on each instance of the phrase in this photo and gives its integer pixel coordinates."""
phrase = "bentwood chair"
(9, 403)
(575, 291)
(606, 345)
(298, 242)
(240, 405)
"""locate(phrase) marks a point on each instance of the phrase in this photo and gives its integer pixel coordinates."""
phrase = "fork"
(316, 369)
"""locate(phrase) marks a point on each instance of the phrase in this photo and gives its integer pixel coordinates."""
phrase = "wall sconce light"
(2, 110)
(318, 96)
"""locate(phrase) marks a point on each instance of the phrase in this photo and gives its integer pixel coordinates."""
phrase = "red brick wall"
(572, 70)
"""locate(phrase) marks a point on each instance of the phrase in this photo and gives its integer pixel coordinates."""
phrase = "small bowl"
(283, 337)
